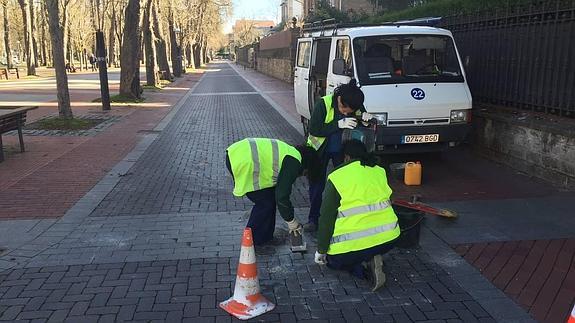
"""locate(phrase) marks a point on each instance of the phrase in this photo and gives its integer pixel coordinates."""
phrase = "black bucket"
(410, 225)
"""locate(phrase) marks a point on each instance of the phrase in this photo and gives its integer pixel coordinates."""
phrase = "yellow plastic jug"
(412, 174)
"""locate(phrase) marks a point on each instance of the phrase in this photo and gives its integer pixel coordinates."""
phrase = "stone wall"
(539, 145)
(276, 55)
(279, 68)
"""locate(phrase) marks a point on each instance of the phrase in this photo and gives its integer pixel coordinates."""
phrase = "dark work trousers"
(351, 261)
(316, 188)
(263, 216)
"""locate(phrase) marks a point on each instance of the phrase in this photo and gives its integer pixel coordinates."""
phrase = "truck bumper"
(389, 139)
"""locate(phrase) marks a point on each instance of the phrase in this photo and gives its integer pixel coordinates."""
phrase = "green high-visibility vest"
(365, 217)
(256, 163)
(316, 142)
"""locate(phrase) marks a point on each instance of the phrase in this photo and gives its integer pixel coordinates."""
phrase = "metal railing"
(522, 56)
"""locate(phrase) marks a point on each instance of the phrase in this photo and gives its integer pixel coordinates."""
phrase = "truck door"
(301, 77)
(340, 63)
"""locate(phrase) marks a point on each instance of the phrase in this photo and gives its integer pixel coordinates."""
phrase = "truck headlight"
(381, 118)
(460, 116)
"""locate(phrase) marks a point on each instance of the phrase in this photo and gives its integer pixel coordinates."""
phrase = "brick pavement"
(136, 248)
(56, 171)
(184, 170)
(539, 275)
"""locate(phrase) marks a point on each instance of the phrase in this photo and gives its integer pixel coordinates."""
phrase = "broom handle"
(425, 208)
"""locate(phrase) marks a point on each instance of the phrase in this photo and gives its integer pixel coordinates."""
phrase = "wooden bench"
(12, 119)
(6, 71)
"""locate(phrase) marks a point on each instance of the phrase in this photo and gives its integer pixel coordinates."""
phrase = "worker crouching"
(357, 223)
(265, 170)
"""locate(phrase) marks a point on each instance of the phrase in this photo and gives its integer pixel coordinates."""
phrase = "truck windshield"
(406, 59)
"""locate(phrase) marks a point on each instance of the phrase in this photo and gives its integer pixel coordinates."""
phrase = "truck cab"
(412, 77)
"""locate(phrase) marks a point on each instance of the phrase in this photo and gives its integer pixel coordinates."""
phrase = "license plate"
(420, 139)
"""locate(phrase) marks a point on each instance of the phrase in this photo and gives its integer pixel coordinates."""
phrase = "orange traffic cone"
(572, 316)
(247, 302)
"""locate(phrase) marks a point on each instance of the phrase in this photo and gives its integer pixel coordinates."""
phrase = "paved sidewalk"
(56, 171)
(161, 242)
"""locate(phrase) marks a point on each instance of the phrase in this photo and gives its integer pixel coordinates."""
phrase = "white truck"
(411, 74)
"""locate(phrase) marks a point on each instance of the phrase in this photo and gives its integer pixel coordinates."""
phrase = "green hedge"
(433, 8)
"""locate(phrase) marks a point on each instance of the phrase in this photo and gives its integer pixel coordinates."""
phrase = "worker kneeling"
(265, 170)
(357, 223)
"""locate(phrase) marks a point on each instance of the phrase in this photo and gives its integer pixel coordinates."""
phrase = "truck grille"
(417, 122)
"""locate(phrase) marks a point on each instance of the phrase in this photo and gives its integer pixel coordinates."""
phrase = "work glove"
(320, 258)
(366, 116)
(295, 227)
(347, 123)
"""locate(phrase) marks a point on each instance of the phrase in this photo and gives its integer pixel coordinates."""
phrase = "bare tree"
(43, 42)
(161, 48)
(28, 43)
(175, 49)
(64, 109)
(33, 31)
(149, 47)
(129, 57)
(65, 25)
(112, 16)
(6, 33)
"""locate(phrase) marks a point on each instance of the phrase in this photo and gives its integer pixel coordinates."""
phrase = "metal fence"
(522, 56)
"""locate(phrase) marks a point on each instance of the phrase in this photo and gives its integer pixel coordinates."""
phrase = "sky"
(254, 9)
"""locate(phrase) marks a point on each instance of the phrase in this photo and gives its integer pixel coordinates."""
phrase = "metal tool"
(297, 243)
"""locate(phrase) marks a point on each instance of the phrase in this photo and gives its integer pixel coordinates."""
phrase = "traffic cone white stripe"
(247, 255)
(247, 301)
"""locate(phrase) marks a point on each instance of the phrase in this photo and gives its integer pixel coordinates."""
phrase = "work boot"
(310, 227)
(376, 274)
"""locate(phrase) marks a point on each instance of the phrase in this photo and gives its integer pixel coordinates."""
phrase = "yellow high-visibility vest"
(365, 217)
(256, 163)
(316, 142)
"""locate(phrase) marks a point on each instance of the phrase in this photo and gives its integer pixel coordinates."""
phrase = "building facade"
(291, 9)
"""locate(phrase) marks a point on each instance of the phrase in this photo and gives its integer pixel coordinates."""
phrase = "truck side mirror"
(338, 66)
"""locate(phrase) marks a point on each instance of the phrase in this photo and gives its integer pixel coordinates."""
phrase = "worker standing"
(265, 170)
(331, 114)
(357, 223)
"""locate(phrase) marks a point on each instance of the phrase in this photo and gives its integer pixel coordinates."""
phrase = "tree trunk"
(175, 51)
(189, 56)
(161, 54)
(66, 30)
(33, 30)
(43, 36)
(129, 58)
(149, 45)
(7, 35)
(64, 109)
(112, 44)
(196, 54)
(28, 46)
(205, 52)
